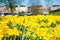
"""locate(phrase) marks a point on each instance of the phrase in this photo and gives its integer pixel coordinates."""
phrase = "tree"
(48, 4)
(35, 7)
(9, 4)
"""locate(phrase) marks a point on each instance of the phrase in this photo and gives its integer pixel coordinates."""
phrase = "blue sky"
(41, 2)
(28, 2)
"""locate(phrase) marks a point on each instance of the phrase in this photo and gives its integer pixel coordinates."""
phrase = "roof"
(16, 5)
(55, 5)
(37, 6)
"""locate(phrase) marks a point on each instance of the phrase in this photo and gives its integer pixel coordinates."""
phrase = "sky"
(41, 2)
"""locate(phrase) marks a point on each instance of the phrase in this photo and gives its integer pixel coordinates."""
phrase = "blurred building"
(46, 10)
(18, 9)
(21, 8)
(55, 7)
(26, 9)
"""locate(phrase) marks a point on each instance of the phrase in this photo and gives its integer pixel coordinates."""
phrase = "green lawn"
(56, 12)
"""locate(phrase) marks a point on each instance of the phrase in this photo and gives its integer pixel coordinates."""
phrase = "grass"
(56, 12)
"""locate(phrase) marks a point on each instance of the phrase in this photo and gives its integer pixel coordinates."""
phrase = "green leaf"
(13, 38)
(45, 21)
(26, 38)
(38, 21)
(37, 38)
(53, 25)
(10, 25)
(17, 38)
(58, 38)
(18, 26)
(58, 22)
(5, 38)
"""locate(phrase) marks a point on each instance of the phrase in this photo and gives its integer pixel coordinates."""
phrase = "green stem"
(23, 34)
(14, 38)
(5, 38)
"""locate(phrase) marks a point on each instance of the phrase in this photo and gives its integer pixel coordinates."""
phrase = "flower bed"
(30, 27)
